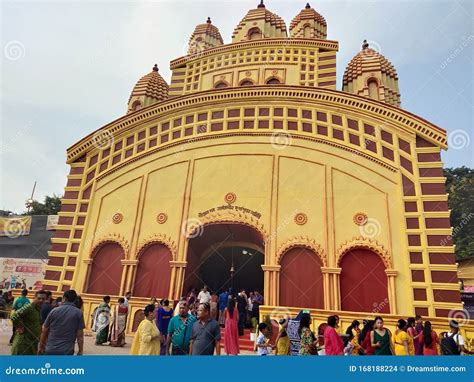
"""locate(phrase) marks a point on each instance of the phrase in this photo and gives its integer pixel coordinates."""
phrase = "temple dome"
(150, 89)
(371, 75)
(205, 36)
(308, 24)
(259, 23)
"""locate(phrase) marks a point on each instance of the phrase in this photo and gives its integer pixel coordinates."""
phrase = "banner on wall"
(15, 226)
(21, 273)
(52, 222)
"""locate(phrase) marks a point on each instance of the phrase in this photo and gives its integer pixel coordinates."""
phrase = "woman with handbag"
(308, 342)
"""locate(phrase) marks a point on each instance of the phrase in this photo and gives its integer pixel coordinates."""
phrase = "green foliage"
(460, 186)
(50, 206)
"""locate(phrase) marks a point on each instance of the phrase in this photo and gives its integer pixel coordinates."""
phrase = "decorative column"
(392, 297)
(87, 264)
(270, 290)
(129, 272)
(177, 279)
(332, 293)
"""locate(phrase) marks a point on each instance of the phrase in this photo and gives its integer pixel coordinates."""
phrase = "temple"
(251, 169)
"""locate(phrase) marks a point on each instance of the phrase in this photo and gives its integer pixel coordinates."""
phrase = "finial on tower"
(365, 45)
(261, 5)
(155, 68)
(308, 6)
(209, 20)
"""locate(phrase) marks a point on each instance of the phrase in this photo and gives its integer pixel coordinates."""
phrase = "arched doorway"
(363, 282)
(105, 274)
(301, 279)
(223, 256)
(153, 272)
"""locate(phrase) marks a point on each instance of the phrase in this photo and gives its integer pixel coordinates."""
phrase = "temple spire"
(365, 45)
(155, 68)
(261, 5)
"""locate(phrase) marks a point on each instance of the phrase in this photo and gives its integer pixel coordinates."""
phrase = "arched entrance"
(301, 279)
(105, 272)
(223, 256)
(153, 272)
(363, 282)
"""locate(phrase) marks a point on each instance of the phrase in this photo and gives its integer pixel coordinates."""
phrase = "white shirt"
(125, 302)
(204, 297)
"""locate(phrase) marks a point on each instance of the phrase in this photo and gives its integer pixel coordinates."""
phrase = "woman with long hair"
(231, 334)
(364, 338)
(102, 322)
(119, 321)
(428, 340)
(333, 344)
(402, 340)
(308, 342)
(381, 338)
(147, 340)
(352, 338)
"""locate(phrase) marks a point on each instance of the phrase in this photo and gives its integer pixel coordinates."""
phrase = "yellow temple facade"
(251, 145)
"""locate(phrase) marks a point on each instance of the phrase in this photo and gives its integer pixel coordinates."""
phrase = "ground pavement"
(89, 346)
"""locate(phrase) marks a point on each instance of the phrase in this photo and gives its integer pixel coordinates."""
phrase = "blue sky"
(67, 68)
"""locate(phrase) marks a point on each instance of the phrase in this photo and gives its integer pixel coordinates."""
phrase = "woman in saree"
(117, 330)
(102, 322)
(147, 340)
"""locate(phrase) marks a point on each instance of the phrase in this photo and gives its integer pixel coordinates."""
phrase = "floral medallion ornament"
(117, 218)
(161, 218)
(230, 197)
(301, 218)
(360, 218)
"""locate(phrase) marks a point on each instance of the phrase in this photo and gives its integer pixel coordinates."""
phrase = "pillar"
(129, 271)
(392, 297)
(271, 274)
(332, 292)
(177, 279)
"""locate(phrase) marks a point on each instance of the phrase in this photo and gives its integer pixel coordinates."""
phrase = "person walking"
(308, 341)
(282, 341)
(206, 334)
(119, 324)
(102, 322)
(63, 326)
(180, 330)
(17, 305)
(402, 341)
(222, 302)
(47, 306)
(147, 338)
(231, 337)
(381, 338)
(163, 317)
(428, 340)
(204, 297)
(333, 344)
(242, 309)
(27, 321)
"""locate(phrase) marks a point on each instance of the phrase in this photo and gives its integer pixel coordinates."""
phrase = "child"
(263, 346)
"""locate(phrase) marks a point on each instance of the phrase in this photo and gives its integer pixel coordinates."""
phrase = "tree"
(50, 206)
(460, 186)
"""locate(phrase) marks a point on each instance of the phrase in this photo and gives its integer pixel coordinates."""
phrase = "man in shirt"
(179, 330)
(206, 333)
(27, 321)
(204, 297)
(47, 306)
(19, 303)
(63, 326)
(127, 297)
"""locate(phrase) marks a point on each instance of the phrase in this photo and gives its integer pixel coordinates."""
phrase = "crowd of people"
(53, 327)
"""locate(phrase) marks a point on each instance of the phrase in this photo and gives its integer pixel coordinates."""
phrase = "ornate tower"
(150, 89)
(308, 24)
(371, 75)
(205, 36)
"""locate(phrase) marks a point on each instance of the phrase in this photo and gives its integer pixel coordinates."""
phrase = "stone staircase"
(245, 344)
